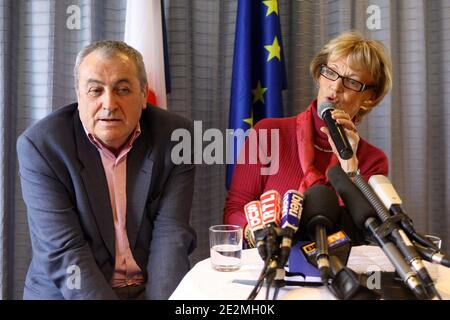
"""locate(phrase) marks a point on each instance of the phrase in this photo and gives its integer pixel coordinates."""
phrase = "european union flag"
(259, 73)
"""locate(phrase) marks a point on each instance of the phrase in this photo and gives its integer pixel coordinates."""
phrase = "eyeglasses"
(349, 83)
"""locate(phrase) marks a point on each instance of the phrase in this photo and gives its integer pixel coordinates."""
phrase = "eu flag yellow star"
(249, 121)
(274, 50)
(258, 93)
(272, 6)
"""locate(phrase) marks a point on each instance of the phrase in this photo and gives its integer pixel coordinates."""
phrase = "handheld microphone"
(270, 207)
(321, 213)
(405, 245)
(364, 216)
(290, 219)
(253, 214)
(337, 133)
(391, 200)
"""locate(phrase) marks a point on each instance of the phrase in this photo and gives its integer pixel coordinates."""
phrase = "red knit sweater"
(248, 184)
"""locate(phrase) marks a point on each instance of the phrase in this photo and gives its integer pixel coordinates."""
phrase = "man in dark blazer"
(108, 210)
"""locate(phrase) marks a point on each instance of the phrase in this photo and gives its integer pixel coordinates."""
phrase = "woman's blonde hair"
(361, 53)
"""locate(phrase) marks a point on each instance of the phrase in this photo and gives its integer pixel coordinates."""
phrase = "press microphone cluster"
(404, 244)
(392, 201)
(321, 214)
(264, 217)
(367, 210)
(273, 242)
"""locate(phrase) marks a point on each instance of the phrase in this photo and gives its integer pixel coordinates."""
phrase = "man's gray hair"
(110, 48)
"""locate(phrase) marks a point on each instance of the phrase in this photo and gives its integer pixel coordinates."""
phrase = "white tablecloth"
(204, 283)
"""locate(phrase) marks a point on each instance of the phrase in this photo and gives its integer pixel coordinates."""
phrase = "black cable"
(270, 277)
(257, 287)
(260, 281)
(421, 239)
(275, 293)
(434, 290)
(255, 290)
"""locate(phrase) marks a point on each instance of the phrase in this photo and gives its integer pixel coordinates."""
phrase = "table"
(204, 283)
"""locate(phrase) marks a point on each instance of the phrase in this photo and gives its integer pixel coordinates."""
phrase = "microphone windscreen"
(324, 106)
(321, 206)
(357, 205)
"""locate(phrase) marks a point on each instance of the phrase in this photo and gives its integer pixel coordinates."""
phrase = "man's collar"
(101, 146)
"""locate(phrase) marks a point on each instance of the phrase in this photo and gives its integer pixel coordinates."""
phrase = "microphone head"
(320, 207)
(324, 106)
(358, 206)
(271, 207)
(253, 214)
(292, 210)
(384, 190)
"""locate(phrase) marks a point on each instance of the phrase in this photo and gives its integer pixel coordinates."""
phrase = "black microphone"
(364, 216)
(405, 245)
(337, 133)
(321, 213)
(345, 284)
(271, 209)
(253, 214)
(290, 219)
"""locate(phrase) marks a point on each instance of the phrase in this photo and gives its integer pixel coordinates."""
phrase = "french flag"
(145, 31)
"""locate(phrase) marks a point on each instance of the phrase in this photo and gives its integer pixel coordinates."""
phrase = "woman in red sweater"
(350, 71)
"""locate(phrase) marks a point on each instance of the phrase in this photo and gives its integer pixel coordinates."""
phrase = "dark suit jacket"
(69, 211)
